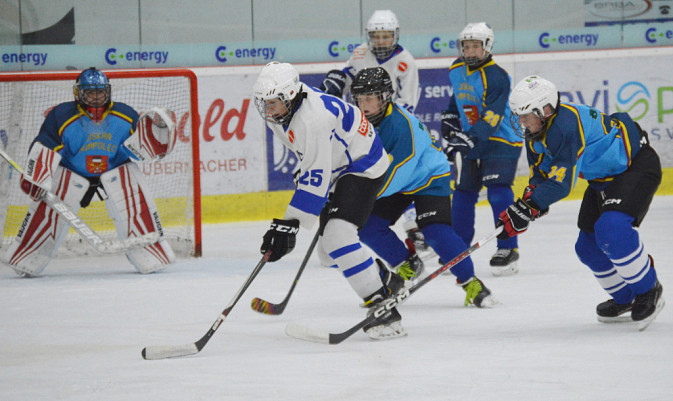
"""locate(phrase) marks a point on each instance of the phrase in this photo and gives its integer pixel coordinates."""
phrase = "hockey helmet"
(277, 81)
(382, 21)
(481, 32)
(530, 96)
(373, 81)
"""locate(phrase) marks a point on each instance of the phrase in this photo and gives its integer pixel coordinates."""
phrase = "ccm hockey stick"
(83, 229)
(308, 334)
(174, 351)
(269, 308)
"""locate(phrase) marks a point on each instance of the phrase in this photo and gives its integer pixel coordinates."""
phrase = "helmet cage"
(481, 32)
(382, 21)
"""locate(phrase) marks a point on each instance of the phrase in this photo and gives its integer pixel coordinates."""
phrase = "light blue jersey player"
(566, 141)
(480, 140)
(418, 173)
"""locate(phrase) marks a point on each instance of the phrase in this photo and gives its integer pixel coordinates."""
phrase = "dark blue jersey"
(86, 147)
(480, 97)
(580, 142)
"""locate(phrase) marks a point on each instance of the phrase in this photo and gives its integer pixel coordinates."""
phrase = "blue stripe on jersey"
(307, 202)
(364, 163)
(358, 268)
(344, 250)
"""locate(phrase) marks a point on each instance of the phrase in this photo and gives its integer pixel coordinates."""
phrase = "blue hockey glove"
(458, 142)
(334, 83)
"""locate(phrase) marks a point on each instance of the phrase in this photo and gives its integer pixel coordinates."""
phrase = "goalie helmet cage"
(25, 100)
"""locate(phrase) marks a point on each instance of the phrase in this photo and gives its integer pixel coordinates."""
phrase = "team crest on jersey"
(290, 136)
(402, 66)
(471, 112)
(96, 164)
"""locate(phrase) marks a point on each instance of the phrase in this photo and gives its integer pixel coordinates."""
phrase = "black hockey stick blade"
(309, 334)
(269, 308)
(174, 351)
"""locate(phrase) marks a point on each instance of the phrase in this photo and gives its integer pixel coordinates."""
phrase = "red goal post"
(25, 99)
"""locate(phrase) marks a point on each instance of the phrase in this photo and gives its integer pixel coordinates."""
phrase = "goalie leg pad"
(43, 230)
(132, 208)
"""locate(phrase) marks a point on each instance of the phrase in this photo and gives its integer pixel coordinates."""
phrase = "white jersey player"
(380, 50)
(85, 147)
(340, 154)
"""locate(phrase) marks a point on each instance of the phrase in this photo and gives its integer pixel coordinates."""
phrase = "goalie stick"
(269, 308)
(174, 351)
(309, 334)
(83, 229)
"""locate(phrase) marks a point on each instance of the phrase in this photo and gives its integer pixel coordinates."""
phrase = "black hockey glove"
(450, 123)
(280, 239)
(334, 83)
(517, 217)
(458, 142)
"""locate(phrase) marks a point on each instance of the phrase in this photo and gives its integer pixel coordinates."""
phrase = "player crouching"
(85, 148)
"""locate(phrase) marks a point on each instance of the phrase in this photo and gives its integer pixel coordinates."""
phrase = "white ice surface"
(76, 332)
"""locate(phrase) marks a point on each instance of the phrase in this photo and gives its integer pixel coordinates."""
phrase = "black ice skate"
(387, 326)
(647, 306)
(504, 262)
(612, 312)
(477, 293)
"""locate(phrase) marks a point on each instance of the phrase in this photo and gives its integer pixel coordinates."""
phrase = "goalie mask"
(93, 92)
(276, 92)
(383, 32)
(478, 31)
(372, 91)
(528, 101)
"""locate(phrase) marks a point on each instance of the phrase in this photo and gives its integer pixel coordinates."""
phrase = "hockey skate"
(411, 268)
(647, 306)
(477, 293)
(386, 327)
(612, 312)
(504, 262)
(416, 236)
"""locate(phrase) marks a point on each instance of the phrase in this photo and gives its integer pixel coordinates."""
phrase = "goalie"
(85, 148)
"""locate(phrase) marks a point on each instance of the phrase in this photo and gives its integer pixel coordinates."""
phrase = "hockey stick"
(308, 334)
(83, 229)
(170, 351)
(269, 308)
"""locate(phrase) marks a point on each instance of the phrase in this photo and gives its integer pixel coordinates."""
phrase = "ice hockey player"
(566, 141)
(82, 150)
(479, 139)
(382, 50)
(338, 152)
(418, 173)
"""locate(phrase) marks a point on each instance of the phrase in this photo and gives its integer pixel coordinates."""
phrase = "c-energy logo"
(221, 53)
(651, 35)
(635, 99)
(334, 48)
(588, 39)
(112, 56)
(437, 44)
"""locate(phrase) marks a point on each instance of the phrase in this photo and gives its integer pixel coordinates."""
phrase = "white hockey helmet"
(276, 81)
(480, 31)
(531, 95)
(382, 21)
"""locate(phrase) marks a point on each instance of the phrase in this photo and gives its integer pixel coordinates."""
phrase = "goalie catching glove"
(517, 217)
(41, 164)
(280, 239)
(155, 135)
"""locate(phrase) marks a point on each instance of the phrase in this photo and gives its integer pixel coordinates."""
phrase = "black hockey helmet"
(373, 81)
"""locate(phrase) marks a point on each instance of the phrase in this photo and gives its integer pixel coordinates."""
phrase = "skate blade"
(619, 319)
(385, 332)
(489, 302)
(509, 270)
(643, 324)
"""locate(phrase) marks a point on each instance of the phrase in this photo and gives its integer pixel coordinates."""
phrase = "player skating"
(338, 152)
(383, 50)
(566, 141)
(418, 173)
(83, 150)
(480, 141)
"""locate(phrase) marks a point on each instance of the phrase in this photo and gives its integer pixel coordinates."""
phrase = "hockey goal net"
(25, 99)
